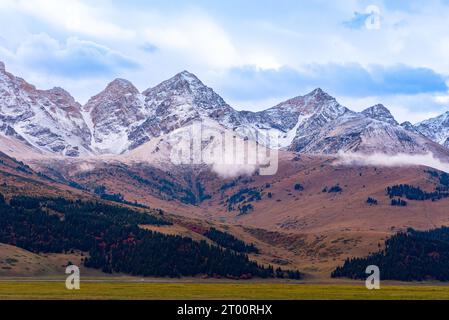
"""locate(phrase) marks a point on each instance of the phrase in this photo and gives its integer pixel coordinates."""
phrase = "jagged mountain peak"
(317, 91)
(407, 125)
(120, 85)
(444, 116)
(319, 94)
(183, 82)
(185, 94)
(115, 90)
(112, 113)
(186, 75)
(60, 93)
(317, 102)
(11, 81)
(441, 119)
(62, 99)
(177, 102)
(119, 118)
(378, 108)
(48, 120)
(296, 120)
(436, 129)
(381, 113)
(187, 78)
(57, 95)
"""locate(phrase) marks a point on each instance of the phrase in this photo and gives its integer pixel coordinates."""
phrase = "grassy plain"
(217, 291)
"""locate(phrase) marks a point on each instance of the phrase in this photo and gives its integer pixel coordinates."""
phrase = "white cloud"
(74, 58)
(72, 15)
(399, 160)
(442, 99)
(263, 61)
(210, 38)
(81, 67)
(194, 35)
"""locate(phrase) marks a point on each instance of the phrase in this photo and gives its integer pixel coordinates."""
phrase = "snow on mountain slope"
(316, 104)
(205, 142)
(48, 120)
(294, 121)
(316, 123)
(177, 102)
(379, 112)
(17, 148)
(436, 129)
(120, 119)
(112, 114)
(357, 133)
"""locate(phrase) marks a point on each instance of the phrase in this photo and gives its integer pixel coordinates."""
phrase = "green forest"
(227, 240)
(114, 242)
(407, 256)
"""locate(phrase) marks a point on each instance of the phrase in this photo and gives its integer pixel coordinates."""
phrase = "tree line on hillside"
(334, 189)
(164, 187)
(241, 200)
(114, 241)
(408, 256)
(415, 193)
(398, 203)
(410, 192)
(227, 240)
(443, 178)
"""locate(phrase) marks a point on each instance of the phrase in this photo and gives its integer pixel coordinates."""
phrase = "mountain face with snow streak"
(436, 129)
(381, 113)
(177, 102)
(407, 125)
(183, 98)
(293, 122)
(48, 120)
(112, 115)
(316, 123)
(120, 119)
(357, 133)
(325, 127)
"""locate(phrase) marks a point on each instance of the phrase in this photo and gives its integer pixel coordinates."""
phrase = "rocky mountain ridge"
(120, 119)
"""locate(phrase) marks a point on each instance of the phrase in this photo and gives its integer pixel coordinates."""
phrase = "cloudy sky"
(254, 53)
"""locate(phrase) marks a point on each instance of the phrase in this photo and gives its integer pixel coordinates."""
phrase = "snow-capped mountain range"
(436, 129)
(48, 120)
(120, 119)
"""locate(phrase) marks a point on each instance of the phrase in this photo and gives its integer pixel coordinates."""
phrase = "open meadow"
(109, 289)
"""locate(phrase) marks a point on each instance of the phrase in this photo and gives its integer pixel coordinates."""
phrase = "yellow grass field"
(217, 291)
